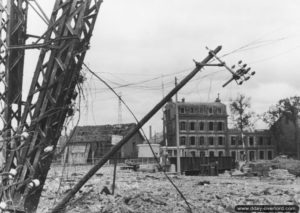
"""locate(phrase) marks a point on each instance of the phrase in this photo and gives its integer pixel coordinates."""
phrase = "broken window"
(211, 126)
(220, 140)
(201, 125)
(242, 155)
(211, 140)
(201, 140)
(220, 126)
(240, 141)
(270, 155)
(192, 110)
(182, 125)
(233, 140)
(192, 126)
(251, 141)
(192, 140)
(181, 110)
(182, 140)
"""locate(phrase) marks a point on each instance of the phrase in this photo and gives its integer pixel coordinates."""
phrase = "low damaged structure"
(90, 143)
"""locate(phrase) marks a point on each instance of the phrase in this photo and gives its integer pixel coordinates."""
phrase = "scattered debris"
(144, 192)
(203, 183)
(281, 174)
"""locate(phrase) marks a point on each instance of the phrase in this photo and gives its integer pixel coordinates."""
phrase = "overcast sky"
(151, 42)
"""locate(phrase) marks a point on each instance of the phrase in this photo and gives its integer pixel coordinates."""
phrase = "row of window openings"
(193, 153)
(201, 126)
(233, 154)
(201, 140)
(201, 110)
(252, 155)
(238, 140)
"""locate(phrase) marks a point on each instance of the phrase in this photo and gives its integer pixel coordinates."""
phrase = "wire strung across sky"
(153, 153)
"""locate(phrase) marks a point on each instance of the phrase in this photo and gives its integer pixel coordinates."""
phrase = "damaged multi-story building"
(202, 131)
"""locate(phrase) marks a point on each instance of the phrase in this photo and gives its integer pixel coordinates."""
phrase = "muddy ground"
(140, 192)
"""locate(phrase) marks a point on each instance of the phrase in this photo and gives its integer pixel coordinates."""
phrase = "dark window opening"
(251, 141)
(181, 110)
(233, 154)
(220, 140)
(192, 140)
(261, 141)
(211, 126)
(233, 140)
(220, 126)
(201, 140)
(182, 140)
(182, 125)
(211, 141)
(270, 155)
(192, 126)
(261, 155)
(201, 126)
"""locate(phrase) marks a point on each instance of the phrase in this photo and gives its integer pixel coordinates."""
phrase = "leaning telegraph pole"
(199, 65)
(238, 76)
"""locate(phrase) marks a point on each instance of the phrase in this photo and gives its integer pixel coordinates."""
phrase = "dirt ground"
(140, 192)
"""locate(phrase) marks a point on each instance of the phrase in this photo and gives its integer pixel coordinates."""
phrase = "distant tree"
(241, 115)
(289, 109)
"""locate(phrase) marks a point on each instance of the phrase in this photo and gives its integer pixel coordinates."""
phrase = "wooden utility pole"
(177, 131)
(145, 119)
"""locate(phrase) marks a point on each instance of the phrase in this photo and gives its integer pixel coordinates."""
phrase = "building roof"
(101, 133)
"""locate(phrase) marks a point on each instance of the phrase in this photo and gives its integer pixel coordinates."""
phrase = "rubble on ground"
(151, 192)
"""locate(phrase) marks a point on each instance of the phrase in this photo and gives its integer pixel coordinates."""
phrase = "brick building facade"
(203, 131)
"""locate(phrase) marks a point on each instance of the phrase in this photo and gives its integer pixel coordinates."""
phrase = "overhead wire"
(131, 112)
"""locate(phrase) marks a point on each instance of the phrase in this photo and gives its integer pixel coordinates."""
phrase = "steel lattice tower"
(42, 113)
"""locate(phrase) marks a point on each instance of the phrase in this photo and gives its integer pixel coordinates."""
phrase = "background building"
(202, 128)
(258, 145)
(203, 131)
(91, 143)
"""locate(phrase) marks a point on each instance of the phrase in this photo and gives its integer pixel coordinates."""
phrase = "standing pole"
(61, 205)
(114, 178)
(177, 130)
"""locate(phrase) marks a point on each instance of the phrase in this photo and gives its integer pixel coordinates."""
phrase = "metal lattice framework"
(42, 115)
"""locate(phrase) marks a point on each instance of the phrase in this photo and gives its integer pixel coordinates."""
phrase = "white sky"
(137, 40)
